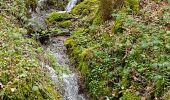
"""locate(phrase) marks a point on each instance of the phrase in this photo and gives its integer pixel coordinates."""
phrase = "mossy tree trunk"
(106, 7)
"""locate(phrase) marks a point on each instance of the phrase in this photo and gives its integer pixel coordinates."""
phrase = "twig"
(4, 9)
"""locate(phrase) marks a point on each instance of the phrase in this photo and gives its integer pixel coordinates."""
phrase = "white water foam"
(70, 5)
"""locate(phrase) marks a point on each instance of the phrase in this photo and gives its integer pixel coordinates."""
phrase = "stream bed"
(69, 81)
(55, 46)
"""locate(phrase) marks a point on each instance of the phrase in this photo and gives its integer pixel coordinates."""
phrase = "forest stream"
(56, 47)
(84, 49)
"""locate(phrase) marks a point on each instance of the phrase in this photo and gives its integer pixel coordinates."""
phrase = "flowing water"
(70, 85)
(70, 5)
(56, 46)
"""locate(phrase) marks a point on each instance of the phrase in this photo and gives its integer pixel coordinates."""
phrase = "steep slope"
(22, 76)
(125, 58)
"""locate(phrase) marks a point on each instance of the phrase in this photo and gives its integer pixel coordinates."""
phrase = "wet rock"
(65, 32)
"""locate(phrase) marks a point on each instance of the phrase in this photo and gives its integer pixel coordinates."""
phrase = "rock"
(65, 32)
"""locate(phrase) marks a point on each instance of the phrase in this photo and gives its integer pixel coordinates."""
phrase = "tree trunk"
(106, 7)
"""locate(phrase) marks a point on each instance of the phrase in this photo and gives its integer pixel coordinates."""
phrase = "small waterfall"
(70, 5)
(69, 82)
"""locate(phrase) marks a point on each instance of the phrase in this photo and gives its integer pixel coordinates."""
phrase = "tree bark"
(106, 7)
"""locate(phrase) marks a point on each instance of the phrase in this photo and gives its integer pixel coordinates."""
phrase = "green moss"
(132, 5)
(97, 19)
(86, 54)
(83, 67)
(130, 96)
(56, 16)
(69, 43)
(85, 12)
(85, 8)
(64, 24)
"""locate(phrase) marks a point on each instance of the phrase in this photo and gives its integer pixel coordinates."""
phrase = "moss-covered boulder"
(64, 24)
(85, 8)
(57, 16)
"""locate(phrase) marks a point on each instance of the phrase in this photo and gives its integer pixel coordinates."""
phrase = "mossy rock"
(64, 24)
(70, 43)
(85, 7)
(56, 16)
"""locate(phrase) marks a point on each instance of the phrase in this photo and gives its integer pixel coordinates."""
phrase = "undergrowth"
(22, 60)
(126, 58)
